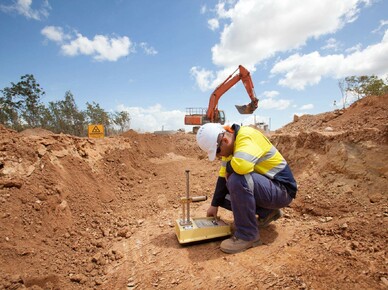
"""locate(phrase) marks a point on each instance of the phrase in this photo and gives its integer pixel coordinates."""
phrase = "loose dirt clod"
(77, 213)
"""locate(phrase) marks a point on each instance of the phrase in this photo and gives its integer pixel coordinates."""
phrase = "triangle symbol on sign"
(96, 130)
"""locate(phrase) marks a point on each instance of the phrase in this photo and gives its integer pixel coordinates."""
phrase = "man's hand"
(212, 211)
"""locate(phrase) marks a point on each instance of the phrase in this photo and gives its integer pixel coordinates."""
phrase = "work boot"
(273, 216)
(236, 245)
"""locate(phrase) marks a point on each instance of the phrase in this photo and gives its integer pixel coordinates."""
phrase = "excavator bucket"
(246, 109)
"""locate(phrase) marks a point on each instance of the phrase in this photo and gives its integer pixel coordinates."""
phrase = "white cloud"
(223, 8)
(203, 9)
(354, 48)
(154, 118)
(54, 33)
(270, 94)
(203, 77)
(149, 50)
(250, 119)
(255, 31)
(332, 44)
(307, 107)
(23, 7)
(259, 29)
(268, 104)
(207, 79)
(303, 70)
(382, 24)
(101, 47)
(213, 24)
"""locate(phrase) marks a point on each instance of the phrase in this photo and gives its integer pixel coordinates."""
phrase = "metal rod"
(183, 212)
(188, 195)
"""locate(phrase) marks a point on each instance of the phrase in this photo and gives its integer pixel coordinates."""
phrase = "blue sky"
(155, 58)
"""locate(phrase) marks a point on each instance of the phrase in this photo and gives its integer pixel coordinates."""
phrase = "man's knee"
(236, 182)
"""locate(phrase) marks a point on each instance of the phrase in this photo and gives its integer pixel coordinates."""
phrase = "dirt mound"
(79, 213)
(369, 112)
(36, 132)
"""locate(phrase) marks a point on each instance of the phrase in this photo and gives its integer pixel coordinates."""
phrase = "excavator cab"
(221, 117)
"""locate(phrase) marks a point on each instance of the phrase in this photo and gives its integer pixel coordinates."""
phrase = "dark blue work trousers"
(250, 195)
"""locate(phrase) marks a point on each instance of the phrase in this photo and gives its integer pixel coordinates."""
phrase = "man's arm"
(220, 192)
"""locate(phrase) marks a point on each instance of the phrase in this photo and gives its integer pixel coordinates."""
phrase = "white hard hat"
(207, 138)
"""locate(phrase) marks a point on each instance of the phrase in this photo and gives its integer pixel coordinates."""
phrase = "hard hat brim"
(207, 136)
(212, 153)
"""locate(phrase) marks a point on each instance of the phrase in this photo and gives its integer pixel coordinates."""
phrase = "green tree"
(96, 115)
(9, 116)
(21, 106)
(363, 86)
(121, 119)
(66, 118)
(46, 118)
(343, 89)
(56, 123)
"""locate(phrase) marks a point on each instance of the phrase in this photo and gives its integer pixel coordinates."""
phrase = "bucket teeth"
(246, 109)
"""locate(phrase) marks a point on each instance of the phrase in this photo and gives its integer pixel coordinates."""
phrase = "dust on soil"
(79, 213)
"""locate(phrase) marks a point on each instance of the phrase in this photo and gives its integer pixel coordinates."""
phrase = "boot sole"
(231, 251)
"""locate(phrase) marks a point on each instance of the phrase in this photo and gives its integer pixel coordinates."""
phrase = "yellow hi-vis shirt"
(253, 152)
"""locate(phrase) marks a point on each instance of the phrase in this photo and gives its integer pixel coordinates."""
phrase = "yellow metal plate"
(201, 229)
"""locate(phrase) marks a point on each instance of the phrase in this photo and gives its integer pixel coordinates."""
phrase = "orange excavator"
(200, 116)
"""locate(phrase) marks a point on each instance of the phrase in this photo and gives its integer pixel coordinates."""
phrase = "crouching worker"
(254, 180)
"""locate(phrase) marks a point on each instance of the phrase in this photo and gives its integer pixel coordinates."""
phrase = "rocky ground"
(79, 213)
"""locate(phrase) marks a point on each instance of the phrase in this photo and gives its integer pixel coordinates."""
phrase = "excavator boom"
(245, 77)
(200, 116)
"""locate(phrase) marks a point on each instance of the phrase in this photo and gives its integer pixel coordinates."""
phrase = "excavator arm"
(244, 75)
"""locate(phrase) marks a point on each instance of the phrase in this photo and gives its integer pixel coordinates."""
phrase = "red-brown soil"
(79, 213)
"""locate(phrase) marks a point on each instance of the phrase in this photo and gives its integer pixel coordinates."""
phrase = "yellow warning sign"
(96, 131)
